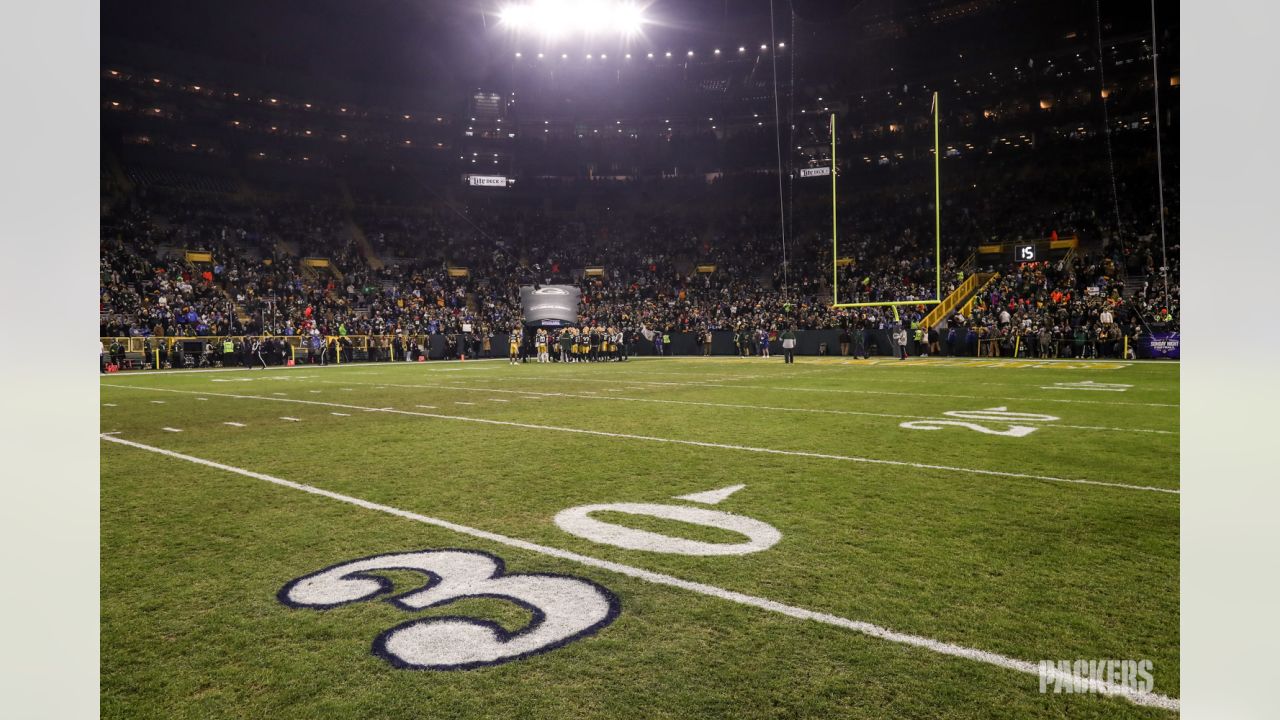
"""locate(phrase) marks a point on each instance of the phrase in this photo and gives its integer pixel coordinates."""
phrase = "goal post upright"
(937, 227)
(835, 274)
(937, 203)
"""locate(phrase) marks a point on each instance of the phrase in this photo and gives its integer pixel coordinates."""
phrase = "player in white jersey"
(541, 340)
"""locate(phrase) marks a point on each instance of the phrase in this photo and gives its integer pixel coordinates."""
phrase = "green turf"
(192, 557)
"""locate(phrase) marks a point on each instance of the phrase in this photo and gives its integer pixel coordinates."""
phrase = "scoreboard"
(1024, 253)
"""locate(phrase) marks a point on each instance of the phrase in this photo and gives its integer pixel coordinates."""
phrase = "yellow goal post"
(937, 229)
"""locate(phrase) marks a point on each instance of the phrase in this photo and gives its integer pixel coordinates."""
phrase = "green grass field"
(915, 568)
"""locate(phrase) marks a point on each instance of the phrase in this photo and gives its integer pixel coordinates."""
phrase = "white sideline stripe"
(108, 404)
(740, 406)
(284, 368)
(691, 443)
(169, 429)
(341, 414)
(1141, 698)
(839, 390)
(234, 424)
(291, 419)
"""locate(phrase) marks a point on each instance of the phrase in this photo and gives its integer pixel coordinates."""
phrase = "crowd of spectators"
(666, 267)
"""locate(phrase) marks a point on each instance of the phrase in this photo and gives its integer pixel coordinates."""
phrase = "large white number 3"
(564, 608)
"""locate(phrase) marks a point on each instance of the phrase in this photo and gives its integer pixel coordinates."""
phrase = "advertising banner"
(815, 172)
(550, 304)
(487, 180)
(1163, 345)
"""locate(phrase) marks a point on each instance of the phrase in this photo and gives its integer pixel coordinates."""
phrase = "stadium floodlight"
(554, 18)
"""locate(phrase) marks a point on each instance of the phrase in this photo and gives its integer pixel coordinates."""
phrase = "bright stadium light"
(554, 18)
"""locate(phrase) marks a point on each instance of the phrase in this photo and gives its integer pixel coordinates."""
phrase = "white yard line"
(234, 424)
(291, 419)
(169, 429)
(945, 648)
(743, 406)
(676, 441)
(341, 414)
(833, 390)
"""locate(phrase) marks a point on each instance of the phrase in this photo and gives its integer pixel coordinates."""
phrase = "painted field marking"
(710, 497)
(169, 429)
(426, 407)
(498, 400)
(341, 414)
(234, 424)
(108, 405)
(689, 443)
(577, 521)
(290, 419)
(459, 402)
(313, 391)
(842, 391)
(1088, 385)
(279, 393)
(773, 408)
(158, 402)
(1024, 666)
(202, 398)
(347, 389)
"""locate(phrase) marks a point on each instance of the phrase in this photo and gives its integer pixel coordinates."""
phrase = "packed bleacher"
(677, 216)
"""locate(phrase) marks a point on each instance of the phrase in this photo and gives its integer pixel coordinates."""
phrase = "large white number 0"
(578, 521)
(564, 608)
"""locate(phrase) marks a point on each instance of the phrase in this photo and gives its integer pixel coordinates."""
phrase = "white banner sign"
(487, 180)
(814, 172)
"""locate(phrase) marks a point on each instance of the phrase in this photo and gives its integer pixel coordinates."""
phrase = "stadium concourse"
(315, 503)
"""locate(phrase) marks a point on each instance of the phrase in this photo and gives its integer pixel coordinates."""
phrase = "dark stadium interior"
(266, 133)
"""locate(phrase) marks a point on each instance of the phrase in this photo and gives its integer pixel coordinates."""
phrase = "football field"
(662, 538)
